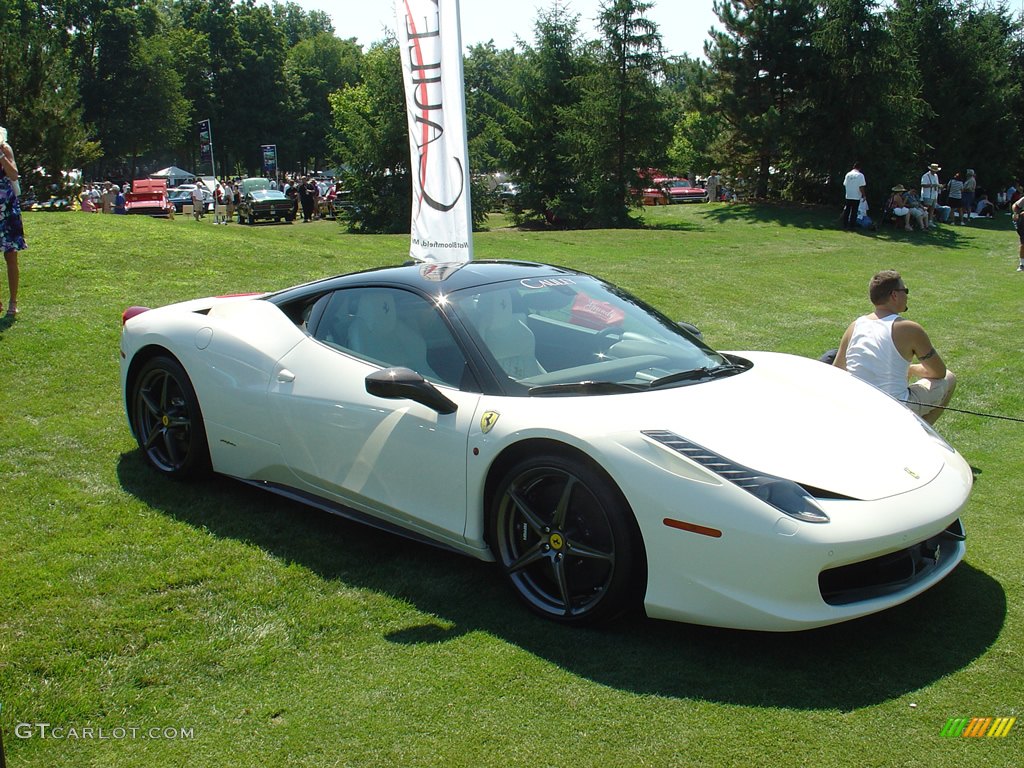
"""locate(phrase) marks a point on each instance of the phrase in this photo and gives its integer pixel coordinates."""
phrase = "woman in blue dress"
(12, 233)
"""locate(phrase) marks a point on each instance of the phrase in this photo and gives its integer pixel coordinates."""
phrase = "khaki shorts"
(925, 394)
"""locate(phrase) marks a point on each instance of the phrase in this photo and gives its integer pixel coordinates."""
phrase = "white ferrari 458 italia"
(603, 455)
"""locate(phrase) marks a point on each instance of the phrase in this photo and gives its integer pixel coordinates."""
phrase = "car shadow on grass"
(843, 667)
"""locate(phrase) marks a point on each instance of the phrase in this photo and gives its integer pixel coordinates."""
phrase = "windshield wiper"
(698, 374)
(583, 388)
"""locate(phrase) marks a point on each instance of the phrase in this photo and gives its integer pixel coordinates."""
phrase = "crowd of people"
(925, 205)
(312, 197)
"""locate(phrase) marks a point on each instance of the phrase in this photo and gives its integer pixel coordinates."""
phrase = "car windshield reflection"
(578, 335)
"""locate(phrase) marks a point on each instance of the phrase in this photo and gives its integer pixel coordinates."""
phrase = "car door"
(396, 459)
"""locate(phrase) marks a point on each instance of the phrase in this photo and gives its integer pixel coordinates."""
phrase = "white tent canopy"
(173, 174)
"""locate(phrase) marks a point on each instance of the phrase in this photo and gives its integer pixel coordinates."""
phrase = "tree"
(372, 142)
(131, 89)
(490, 106)
(620, 127)
(298, 24)
(696, 116)
(863, 103)
(316, 67)
(545, 85)
(969, 86)
(39, 102)
(759, 68)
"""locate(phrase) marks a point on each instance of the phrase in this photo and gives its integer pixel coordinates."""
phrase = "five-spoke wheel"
(167, 421)
(566, 539)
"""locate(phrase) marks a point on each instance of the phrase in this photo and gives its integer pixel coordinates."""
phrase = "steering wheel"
(608, 336)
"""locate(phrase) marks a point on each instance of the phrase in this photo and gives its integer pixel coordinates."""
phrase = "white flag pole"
(430, 42)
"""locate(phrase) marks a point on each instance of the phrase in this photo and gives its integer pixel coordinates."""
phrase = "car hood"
(794, 418)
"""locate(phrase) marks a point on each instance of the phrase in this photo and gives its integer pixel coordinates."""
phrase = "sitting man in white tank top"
(880, 349)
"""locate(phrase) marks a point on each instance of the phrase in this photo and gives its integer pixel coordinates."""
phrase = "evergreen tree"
(545, 85)
(760, 68)
(970, 88)
(862, 104)
(620, 127)
(489, 107)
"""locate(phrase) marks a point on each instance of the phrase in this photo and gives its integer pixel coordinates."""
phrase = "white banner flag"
(430, 42)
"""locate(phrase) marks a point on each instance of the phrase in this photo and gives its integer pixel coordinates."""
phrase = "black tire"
(567, 541)
(167, 420)
(252, 220)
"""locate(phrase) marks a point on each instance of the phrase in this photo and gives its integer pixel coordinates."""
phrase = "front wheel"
(167, 421)
(566, 540)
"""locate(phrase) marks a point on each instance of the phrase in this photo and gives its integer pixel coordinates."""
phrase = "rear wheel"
(566, 540)
(167, 421)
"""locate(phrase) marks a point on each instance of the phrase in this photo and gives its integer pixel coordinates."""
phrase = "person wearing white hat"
(930, 187)
(898, 205)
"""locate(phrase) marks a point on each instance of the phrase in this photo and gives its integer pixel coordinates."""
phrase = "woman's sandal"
(12, 310)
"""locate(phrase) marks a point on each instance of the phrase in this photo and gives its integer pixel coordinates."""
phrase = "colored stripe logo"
(977, 727)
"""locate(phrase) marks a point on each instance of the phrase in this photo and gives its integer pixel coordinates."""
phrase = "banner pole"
(430, 45)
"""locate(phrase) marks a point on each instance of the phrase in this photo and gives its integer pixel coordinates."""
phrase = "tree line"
(789, 95)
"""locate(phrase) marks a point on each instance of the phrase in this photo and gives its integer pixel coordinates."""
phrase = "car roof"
(431, 278)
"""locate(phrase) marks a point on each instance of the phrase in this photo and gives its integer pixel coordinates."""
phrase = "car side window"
(390, 327)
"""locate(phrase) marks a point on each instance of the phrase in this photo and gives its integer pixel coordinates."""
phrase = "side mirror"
(406, 384)
(690, 328)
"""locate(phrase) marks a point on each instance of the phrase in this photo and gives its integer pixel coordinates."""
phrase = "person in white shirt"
(854, 184)
(879, 348)
(930, 191)
(198, 204)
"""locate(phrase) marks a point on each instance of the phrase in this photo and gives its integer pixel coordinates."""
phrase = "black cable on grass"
(979, 413)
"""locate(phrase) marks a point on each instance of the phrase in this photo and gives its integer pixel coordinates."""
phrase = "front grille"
(889, 573)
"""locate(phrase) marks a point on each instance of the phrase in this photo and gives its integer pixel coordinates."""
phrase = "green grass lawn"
(269, 634)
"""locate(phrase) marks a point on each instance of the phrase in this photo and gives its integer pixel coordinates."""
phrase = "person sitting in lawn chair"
(896, 206)
(917, 212)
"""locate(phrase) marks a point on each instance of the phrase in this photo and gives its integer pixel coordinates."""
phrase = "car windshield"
(577, 334)
(268, 194)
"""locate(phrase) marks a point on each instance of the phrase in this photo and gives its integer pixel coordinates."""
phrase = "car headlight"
(785, 495)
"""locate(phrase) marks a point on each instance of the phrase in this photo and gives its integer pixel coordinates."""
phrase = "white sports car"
(603, 455)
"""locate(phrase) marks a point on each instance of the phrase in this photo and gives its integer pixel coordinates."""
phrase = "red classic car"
(671, 189)
(148, 197)
(684, 191)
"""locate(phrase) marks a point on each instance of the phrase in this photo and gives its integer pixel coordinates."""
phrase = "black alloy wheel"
(167, 421)
(566, 540)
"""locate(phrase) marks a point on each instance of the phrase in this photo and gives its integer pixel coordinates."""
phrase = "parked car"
(258, 201)
(655, 196)
(539, 417)
(684, 191)
(182, 196)
(148, 197)
(508, 195)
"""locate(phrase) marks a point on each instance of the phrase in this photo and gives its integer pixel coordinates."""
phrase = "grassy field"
(149, 623)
